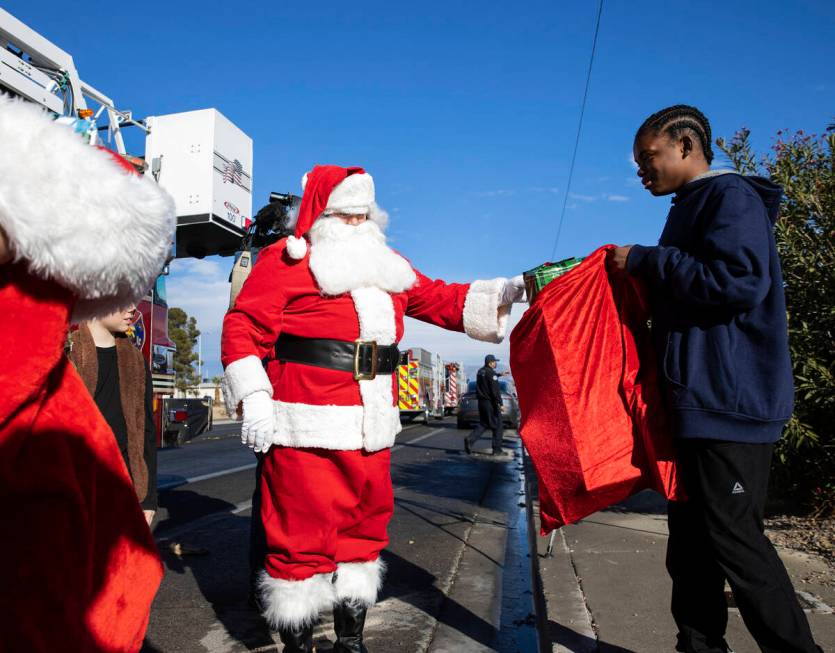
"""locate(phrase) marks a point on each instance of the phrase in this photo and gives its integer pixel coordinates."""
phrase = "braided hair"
(676, 120)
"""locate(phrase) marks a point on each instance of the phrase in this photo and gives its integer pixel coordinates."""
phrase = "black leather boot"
(297, 640)
(348, 622)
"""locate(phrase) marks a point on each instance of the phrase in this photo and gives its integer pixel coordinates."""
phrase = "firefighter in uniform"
(489, 406)
(326, 307)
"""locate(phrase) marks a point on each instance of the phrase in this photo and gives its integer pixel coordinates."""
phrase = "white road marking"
(205, 477)
(234, 470)
(203, 521)
(418, 439)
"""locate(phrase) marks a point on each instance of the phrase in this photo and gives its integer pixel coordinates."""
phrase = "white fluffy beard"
(345, 257)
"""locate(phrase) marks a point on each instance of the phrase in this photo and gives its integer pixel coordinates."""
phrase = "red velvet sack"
(592, 417)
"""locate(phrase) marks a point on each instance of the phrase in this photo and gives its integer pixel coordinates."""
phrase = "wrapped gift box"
(542, 275)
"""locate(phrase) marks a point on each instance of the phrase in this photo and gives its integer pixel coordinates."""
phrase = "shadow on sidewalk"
(574, 641)
(414, 585)
(214, 548)
(215, 551)
(646, 502)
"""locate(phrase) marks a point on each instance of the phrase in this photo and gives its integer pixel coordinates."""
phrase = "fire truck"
(455, 384)
(420, 380)
(200, 157)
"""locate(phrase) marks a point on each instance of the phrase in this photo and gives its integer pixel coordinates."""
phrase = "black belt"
(364, 358)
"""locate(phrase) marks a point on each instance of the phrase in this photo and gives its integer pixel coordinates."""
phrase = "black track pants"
(495, 425)
(718, 535)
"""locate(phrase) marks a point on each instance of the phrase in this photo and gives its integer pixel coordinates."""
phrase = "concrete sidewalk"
(605, 587)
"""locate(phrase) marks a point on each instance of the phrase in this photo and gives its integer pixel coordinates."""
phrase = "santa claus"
(325, 308)
(80, 235)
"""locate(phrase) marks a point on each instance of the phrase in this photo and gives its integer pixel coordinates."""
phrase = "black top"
(108, 399)
(487, 386)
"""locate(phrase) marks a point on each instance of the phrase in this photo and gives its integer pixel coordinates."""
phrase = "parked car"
(184, 419)
(468, 406)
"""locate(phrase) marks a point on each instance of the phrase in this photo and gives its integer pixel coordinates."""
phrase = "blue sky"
(464, 112)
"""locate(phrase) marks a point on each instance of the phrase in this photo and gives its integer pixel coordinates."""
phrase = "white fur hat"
(354, 195)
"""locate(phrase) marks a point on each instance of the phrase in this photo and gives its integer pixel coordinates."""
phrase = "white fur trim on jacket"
(243, 377)
(322, 427)
(77, 217)
(295, 603)
(484, 319)
(381, 418)
(359, 581)
(371, 426)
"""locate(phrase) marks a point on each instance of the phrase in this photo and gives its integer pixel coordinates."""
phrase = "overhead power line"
(579, 129)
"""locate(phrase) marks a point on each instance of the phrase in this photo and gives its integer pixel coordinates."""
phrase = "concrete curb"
(488, 604)
(563, 621)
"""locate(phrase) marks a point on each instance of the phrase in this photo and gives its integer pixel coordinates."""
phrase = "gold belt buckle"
(359, 376)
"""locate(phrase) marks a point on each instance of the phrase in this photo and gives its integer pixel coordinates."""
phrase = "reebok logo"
(738, 489)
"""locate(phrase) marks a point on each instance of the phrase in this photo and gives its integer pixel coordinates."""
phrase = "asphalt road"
(458, 568)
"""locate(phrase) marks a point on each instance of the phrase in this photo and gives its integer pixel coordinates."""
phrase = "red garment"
(81, 566)
(592, 417)
(320, 407)
(326, 486)
(78, 564)
(346, 503)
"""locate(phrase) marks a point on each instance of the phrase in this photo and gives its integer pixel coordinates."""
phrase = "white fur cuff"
(359, 581)
(484, 319)
(243, 377)
(295, 603)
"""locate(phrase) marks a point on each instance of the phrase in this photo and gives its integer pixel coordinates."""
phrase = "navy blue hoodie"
(719, 310)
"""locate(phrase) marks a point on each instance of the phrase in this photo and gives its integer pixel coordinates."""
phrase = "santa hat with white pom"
(330, 189)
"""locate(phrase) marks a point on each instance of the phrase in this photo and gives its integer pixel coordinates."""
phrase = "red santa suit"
(326, 486)
(80, 566)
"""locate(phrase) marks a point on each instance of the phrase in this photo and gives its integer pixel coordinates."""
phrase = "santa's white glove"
(258, 427)
(513, 291)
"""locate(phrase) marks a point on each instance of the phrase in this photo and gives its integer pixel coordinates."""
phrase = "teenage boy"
(119, 381)
(719, 324)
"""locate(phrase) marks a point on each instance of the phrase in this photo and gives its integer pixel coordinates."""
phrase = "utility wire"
(579, 129)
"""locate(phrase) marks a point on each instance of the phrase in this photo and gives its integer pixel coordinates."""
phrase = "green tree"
(216, 382)
(183, 330)
(804, 165)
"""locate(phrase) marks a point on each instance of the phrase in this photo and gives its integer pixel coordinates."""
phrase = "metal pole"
(550, 550)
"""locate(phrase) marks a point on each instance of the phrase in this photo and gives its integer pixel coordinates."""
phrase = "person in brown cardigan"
(115, 373)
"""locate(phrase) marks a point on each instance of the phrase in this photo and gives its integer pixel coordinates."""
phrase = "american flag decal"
(232, 172)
